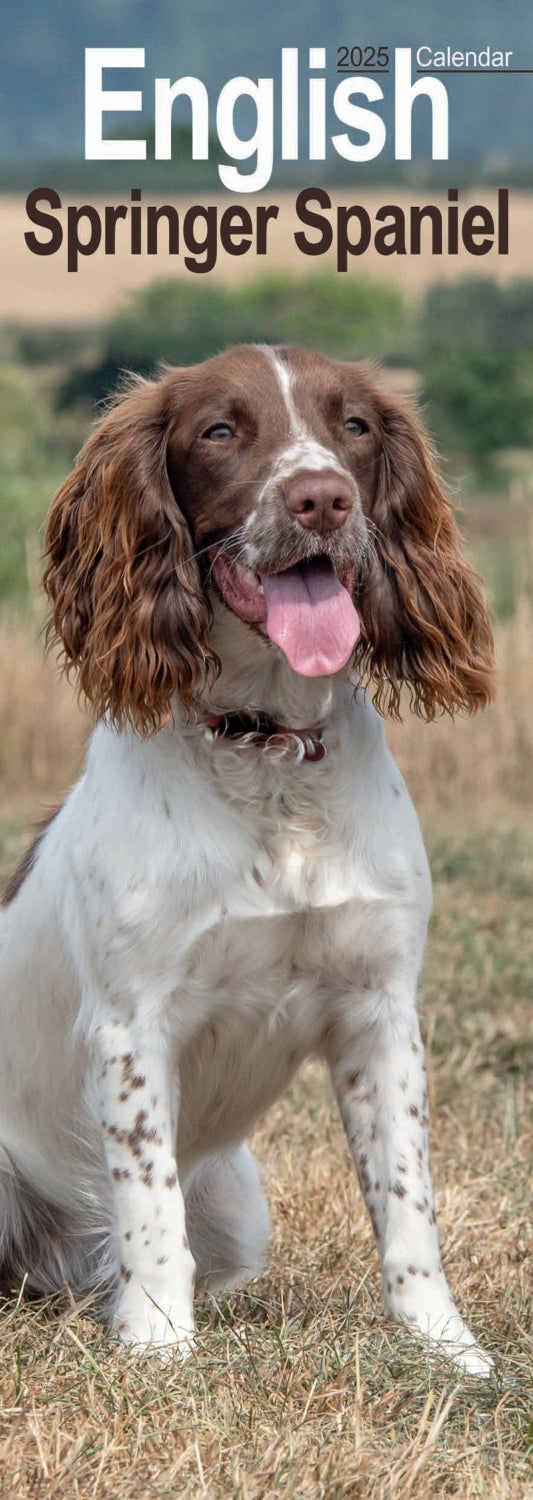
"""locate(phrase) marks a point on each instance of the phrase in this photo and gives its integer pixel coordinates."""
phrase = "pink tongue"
(310, 615)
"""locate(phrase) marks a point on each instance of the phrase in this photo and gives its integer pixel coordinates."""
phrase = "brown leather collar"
(260, 731)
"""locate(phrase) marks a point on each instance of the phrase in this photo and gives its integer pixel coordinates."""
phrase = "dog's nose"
(319, 500)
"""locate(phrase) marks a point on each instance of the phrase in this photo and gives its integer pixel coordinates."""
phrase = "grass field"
(35, 291)
(300, 1386)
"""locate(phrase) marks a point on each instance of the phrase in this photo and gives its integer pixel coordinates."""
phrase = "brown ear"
(424, 614)
(127, 601)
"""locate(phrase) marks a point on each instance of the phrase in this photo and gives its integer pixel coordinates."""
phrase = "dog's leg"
(138, 1108)
(379, 1078)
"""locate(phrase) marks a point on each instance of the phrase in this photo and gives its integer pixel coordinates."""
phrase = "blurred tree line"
(470, 342)
(475, 357)
(469, 345)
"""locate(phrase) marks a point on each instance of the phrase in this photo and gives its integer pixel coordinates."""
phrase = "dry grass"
(34, 290)
(300, 1388)
(484, 764)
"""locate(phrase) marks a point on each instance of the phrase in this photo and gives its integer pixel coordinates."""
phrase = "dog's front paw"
(472, 1360)
(452, 1338)
(432, 1315)
(151, 1329)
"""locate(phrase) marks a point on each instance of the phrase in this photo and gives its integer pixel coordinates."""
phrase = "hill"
(43, 47)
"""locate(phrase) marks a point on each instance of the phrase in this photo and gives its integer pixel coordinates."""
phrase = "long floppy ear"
(127, 603)
(425, 618)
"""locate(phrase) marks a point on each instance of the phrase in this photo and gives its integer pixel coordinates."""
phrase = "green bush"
(32, 465)
(476, 366)
(183, 322)
(476, 313)
(479, 400)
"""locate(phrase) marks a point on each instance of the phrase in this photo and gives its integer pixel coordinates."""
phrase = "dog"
(247, 552)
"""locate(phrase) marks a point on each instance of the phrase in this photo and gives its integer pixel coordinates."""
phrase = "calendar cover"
(177, 180)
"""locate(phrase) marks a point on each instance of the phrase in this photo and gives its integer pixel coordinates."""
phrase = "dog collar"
(264, 733)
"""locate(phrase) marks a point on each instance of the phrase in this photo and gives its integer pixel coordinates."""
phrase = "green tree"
(185, 321)
(476, 365)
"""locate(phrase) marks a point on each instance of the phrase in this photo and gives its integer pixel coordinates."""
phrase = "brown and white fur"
(218, 899)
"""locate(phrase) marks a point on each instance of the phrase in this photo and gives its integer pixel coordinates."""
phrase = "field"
(32, 295)
(300, 1387)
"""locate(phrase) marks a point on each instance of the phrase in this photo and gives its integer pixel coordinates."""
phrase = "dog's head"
(300, 492)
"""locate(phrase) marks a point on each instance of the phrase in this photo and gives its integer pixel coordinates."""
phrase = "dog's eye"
(220, 432)
(356, 426)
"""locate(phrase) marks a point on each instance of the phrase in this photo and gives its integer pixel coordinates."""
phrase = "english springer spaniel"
(247, 553)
